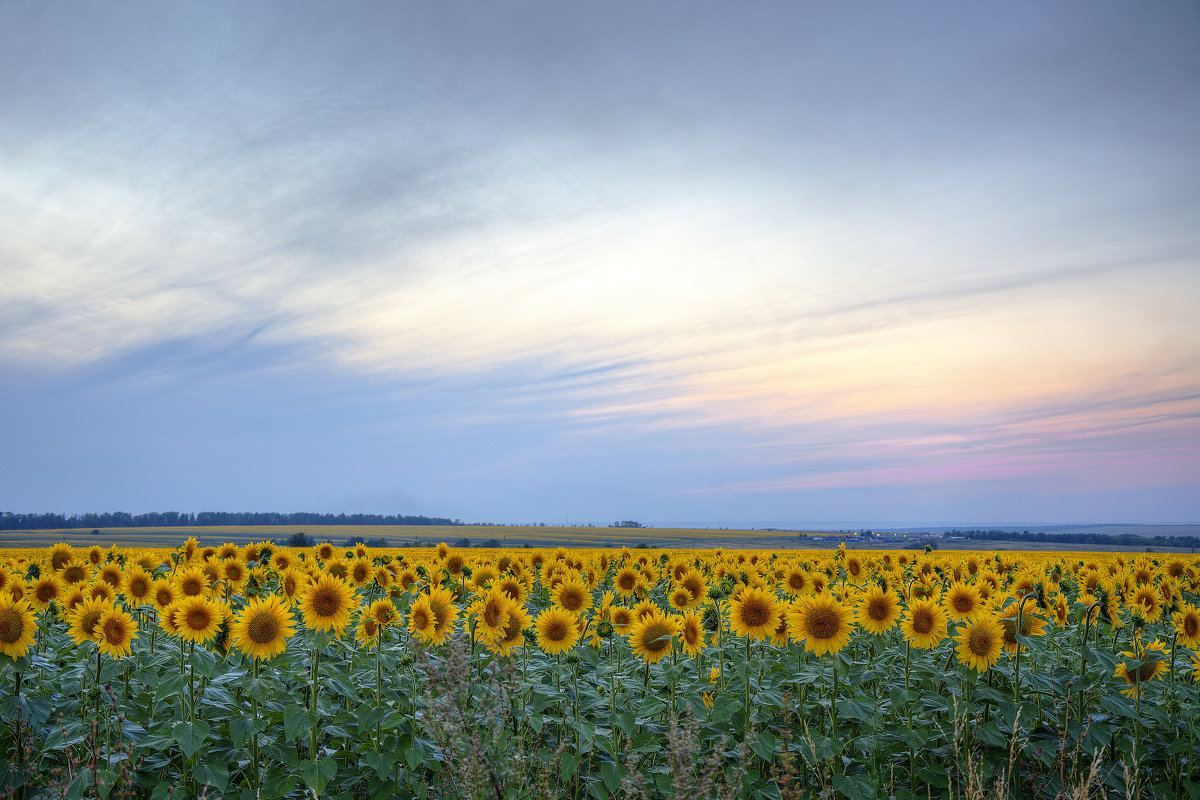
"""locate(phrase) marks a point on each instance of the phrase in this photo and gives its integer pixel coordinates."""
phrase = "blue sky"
(513, 262)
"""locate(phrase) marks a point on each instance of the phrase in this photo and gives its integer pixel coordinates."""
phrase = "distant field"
(403, 535)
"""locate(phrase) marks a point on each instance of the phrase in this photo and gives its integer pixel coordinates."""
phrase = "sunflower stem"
(316, 666)
(254, 739)
(747, 694)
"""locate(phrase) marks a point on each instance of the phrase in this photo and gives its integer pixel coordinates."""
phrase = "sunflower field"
(264, 672)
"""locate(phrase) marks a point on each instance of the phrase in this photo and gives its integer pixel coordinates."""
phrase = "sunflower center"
(878, 609)
(45, 593)
(979, 643)
(824, 623)
(87, 623)
(165, 598)
(755, 613)
(191, 587)
(570, 599)
(73, 574)
(360, 573)
(139, 588)
(1191, 625)
(11, 626)
(439, 613)
(657, 638)
(796, 581)
(114, 632)
(198, 620)
(263, 628)
(556, 630)
(922, 621)
(1146, 671)
(325, 603)
(491, 614)
(963, 604)
(420, 618)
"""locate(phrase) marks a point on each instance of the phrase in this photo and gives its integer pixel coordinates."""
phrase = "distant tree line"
(1121, 539)
(173, 519)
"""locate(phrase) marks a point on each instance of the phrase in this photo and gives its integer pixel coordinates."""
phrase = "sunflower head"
(822, 622)
(755, 613)
(326, 604)
(557, 631)
(17, 626)
(980, 643)
(114, 633)
(263, 627)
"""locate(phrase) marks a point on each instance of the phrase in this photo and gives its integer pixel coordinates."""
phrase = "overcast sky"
(932, 262)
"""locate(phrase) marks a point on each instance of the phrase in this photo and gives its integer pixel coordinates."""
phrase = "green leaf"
(277, 784)
(317, 774)
(382, 763)
(239, 731)
(297, 718)
(567, 766)
(855, 787)
(213, 773)
(190, 736)
(764, 746)
(612, 775)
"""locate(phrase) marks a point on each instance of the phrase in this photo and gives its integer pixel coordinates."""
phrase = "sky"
(676, 262)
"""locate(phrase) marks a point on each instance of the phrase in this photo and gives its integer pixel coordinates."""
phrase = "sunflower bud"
(605, 629)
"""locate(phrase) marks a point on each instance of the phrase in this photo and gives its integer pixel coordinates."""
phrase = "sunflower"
(44, 590)
(1141, 666)
(1031, 624)
(361, 571)
(71, 596)
(17, 626)
(557, 630)
(573, 595)
(115, 631)
(110, 574)
(491, 610)
(651, 636)
(878, 611)
(326, 604)
(626, 581)
(136, 585)
(382, 611)
(292, 583)
(781, 635)
(445, 614)
(962, 602)
(367, 632)
(421, 620)
(1187, 626)
(925, 624)
(235, 574)
(192, 582)
(691, 632)
(83, 618)
(74, 571)
(795, 581)
(513, 635)
(754, 613)
(621, 618)
(263, 627)
(1150, 601)
(197, 618)
(693, 580)
(60, 555)
(100, 590)
(821, 622)
(679, 598)
(980, 643)
(163, 593)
